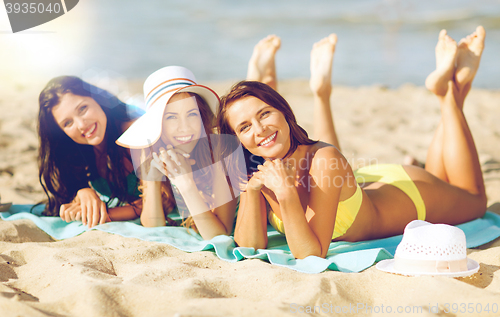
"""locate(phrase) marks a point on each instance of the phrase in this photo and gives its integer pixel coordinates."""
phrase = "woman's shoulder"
(322, 150)
(325, 156)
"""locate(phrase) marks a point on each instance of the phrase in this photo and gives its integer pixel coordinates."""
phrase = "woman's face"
(81, 118)
(261, 128)
(182, 125)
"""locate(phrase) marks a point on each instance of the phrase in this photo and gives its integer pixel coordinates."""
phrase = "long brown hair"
(243, 89)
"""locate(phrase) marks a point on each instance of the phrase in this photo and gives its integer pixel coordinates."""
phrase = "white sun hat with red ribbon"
(159, 87)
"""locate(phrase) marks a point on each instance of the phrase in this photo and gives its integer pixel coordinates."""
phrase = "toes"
(269, 38)
(463, 43)
(442, 34)
(474, 41)
(276, 41)
(266, 40)
(323, 41)
(269, 41)
(319, 43)
(481, 32)
(330, 39)
(273, 40)
(333, 38)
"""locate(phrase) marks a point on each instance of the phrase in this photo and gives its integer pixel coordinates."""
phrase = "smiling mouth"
(268, 140)
(90, 131)
(184, 139)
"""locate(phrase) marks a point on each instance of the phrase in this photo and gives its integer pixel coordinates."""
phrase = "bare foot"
(321, 66)
(446, 52)
(468, 58)
(261, 66)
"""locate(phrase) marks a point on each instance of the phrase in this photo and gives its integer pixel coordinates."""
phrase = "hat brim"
(146, 130)
(388, 266)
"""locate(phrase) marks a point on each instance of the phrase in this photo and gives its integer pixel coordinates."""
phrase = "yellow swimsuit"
(348, 209)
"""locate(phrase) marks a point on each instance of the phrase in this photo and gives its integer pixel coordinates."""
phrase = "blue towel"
(342, 256)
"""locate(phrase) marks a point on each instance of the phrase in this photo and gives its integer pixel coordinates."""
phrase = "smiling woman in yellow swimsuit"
(308, 190)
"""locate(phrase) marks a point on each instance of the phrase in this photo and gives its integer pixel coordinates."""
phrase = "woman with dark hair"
(308, 190)
(79, 161)
(182, 168)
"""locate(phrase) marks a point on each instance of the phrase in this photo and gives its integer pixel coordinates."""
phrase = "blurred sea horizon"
(381, 42)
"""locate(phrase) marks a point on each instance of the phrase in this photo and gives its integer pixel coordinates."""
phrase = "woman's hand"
(176, 165)
(277, 176)
(256, 182)
(86, 206)
(154, 173)
(70, 212)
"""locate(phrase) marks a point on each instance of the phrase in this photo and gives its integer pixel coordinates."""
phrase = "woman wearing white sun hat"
(176, 132)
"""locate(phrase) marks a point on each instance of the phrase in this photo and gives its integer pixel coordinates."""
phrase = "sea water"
(385, 42)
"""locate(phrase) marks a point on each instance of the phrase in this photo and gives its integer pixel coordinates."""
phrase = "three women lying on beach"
(181, 167)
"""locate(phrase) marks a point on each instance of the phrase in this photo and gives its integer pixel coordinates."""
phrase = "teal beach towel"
(342, 256)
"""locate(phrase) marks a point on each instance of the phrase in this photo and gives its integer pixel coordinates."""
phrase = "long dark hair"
(298, 136)
(65, 166)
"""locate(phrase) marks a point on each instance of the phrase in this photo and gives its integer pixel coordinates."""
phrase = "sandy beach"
(101, 274)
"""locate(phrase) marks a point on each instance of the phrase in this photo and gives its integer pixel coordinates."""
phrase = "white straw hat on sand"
(159, 87)
(431, 249)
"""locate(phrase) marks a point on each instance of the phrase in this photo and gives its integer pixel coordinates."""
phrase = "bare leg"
(437, 82)
(434, 163)
(261, 66)
(452, 187)
(321, 86)
(453, 152)
(460, 157)
(461, 198)
(469, 54)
